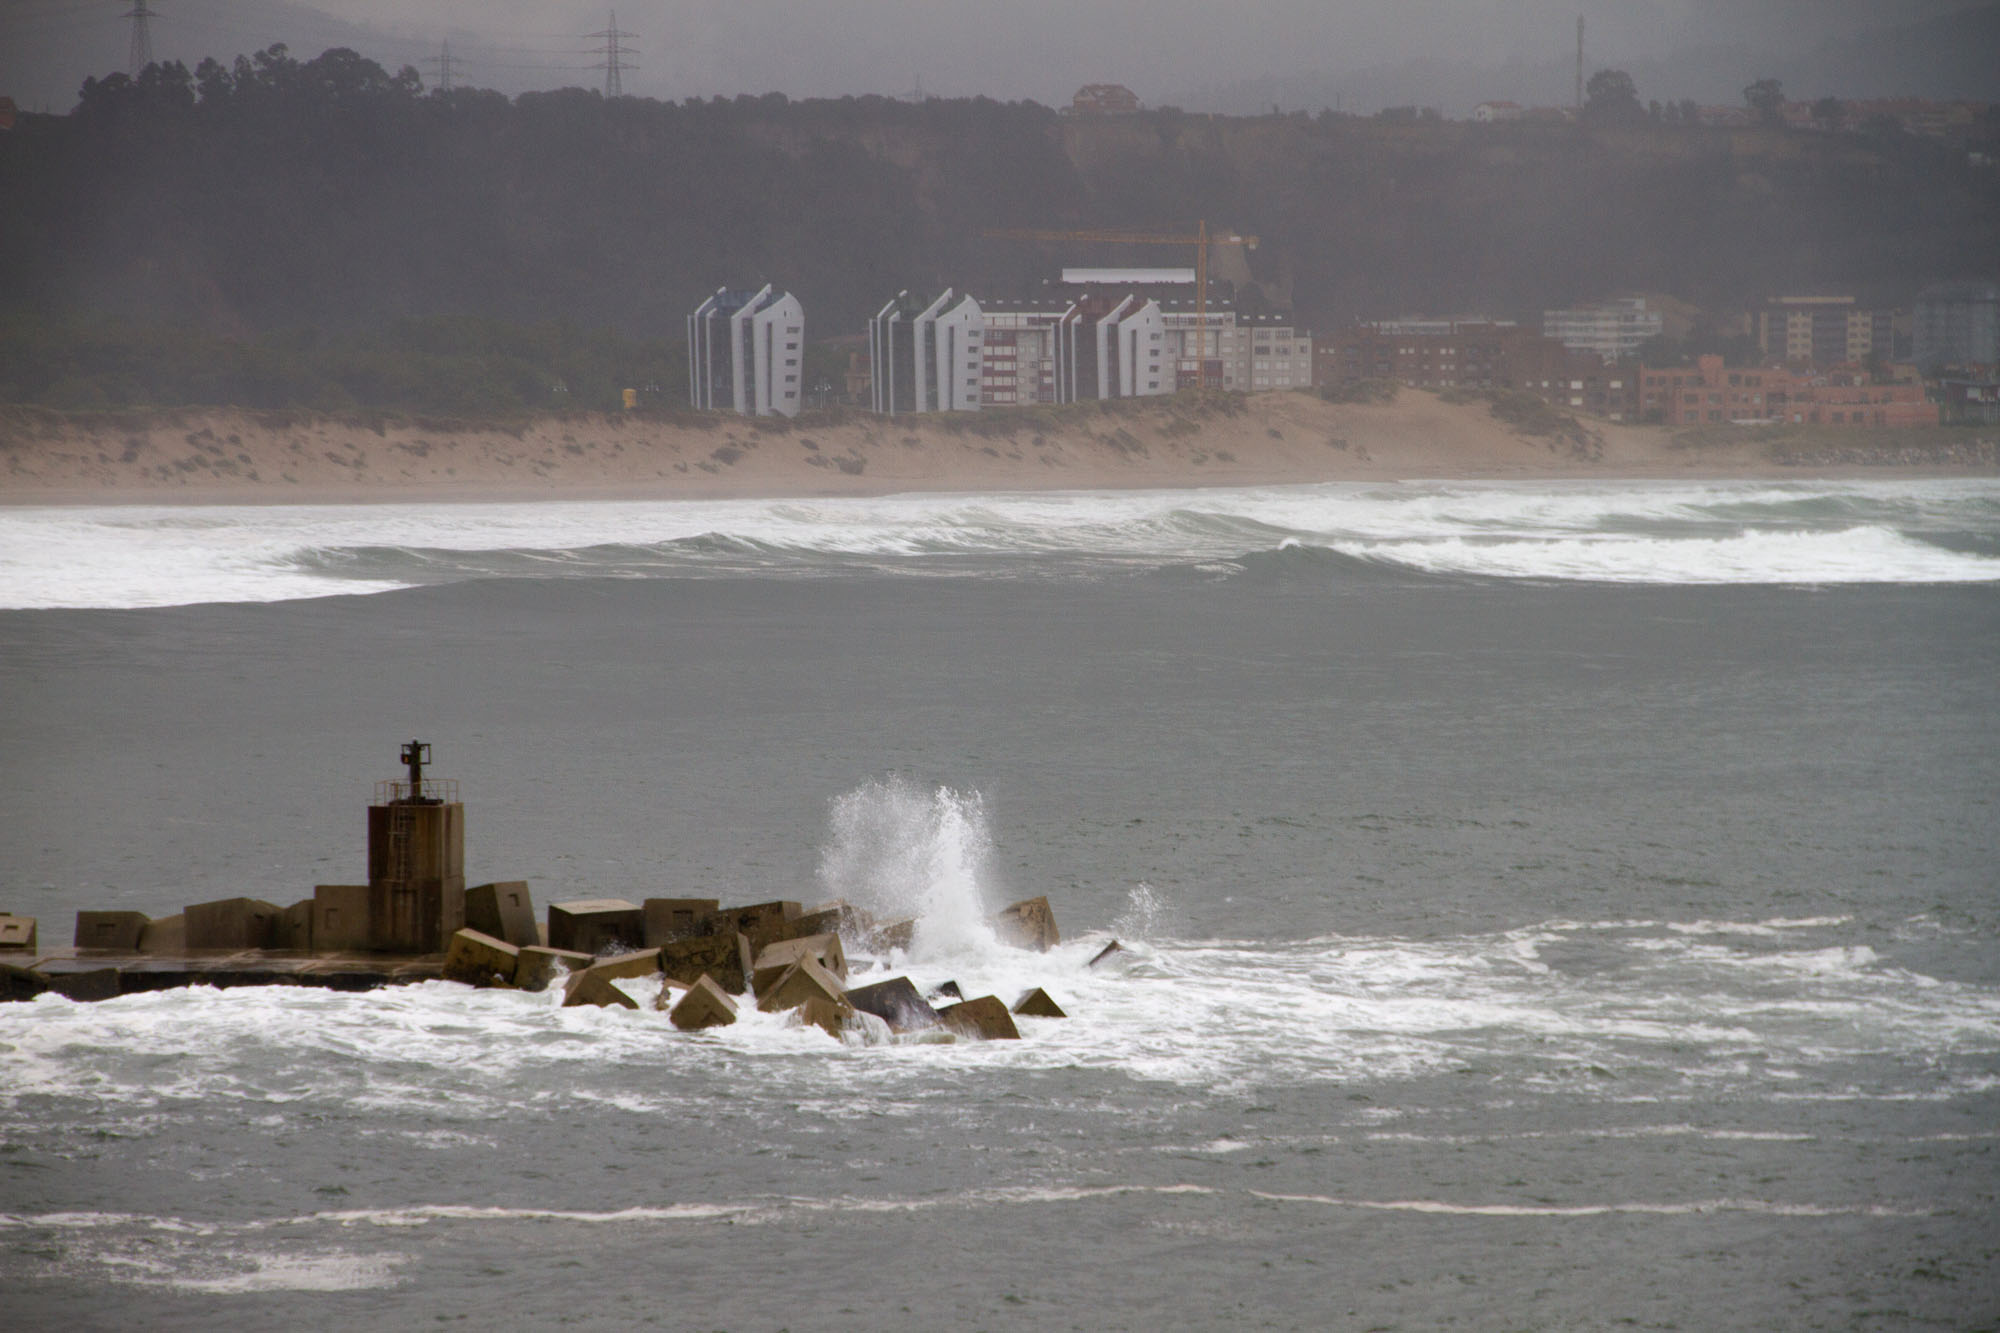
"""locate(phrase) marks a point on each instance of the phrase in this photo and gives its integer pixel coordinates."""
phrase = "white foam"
(1739, 532)
(1764, 1207)
(899, 851)
(293, 1272)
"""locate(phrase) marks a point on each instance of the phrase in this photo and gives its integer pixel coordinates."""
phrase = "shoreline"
(222, 456)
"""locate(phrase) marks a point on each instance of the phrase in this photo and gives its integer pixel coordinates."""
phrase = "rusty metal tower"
(416, 860)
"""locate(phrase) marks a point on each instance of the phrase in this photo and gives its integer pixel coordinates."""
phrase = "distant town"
(1668, 292)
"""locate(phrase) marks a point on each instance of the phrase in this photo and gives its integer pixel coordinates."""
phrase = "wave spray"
(900, 851)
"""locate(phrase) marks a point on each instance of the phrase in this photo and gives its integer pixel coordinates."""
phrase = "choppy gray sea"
(1546, 907)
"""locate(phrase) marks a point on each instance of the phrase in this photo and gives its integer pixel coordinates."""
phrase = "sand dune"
(225, 455)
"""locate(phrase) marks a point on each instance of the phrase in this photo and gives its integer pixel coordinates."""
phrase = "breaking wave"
(1629, 532)
(900, 851)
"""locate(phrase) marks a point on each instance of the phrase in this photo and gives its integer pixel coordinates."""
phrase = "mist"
(1294, 53)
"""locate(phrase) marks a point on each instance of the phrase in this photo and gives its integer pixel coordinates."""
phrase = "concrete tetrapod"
(802, 981)
(897, 1003)
(16, 932)
(725, 957)
(110, 930)
(590, 987)
(166, 935)
(985, 1018)
(477, 959)
(1028, 924)
(539, 964)
(505, 910)
(1037, 1004)
(763, 923)
(597, 978)
(593, 925)
(704, 1006)
(677, 918)
(832, 1017)
(773, 959)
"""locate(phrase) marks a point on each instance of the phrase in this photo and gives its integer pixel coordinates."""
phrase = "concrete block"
(537, 966)
(802, 981)
(164, 935)
(16, 932)
(505, 910)
(830, 1016)
(704, 1006)
(896, 1003)
(295, 927)
(638, 963)
(18, 983)
(670, 991)
(586, 987)
(1037, 1004)
(1028, 924)
(110, 930)
(1106, 954)
(888, 935)
(597, 925)
(838, 917)
(478, 959)
(773, 959)
(985, 1018)
(98, 984)
(644, 963)
(340, 918)
(678, 918)
(232, 923)
(947, 991)
(725, 957)
(763, 923)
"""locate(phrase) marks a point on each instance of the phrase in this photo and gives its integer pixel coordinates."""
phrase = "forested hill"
(279, 193)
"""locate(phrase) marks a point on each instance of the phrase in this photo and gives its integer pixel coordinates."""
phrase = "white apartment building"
(1613, 329)
(746, 352)
(950, 342)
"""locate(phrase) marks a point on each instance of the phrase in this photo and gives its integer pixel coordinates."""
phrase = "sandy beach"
(209, 456)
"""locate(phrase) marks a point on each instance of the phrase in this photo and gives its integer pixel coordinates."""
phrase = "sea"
(1542, 905)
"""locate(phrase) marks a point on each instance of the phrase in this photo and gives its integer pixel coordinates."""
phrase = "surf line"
(1764, 1207)
(771, 1210)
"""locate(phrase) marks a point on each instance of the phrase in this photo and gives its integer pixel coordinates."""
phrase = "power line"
(142, 36)
(447, 65)
(614, 49)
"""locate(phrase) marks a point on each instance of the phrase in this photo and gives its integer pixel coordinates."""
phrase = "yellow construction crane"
(1201, 240)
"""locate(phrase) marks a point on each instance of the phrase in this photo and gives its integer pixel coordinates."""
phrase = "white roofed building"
(746, 352)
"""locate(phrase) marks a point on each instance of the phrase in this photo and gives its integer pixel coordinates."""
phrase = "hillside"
(276, 193)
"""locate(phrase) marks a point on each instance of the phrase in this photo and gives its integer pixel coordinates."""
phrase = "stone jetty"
(414, 920)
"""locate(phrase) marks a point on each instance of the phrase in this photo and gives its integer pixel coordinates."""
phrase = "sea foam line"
(1763, 1207)
(776, 1208)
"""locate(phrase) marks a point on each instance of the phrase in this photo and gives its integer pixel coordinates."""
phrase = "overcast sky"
(1166, 50)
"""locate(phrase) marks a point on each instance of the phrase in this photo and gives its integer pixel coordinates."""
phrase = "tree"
(1829, 113)
(1767, 98)
(1611, 98)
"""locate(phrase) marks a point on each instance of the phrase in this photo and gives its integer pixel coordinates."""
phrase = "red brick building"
(1708, 393)
(1476, 354)
(1103, 99)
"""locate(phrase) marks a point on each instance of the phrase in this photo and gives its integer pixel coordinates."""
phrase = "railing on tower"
(430, 791)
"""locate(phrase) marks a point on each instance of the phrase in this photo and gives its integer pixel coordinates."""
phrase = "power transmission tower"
(142, 36)
(614, 49)
(447, 65)
(1579, 62)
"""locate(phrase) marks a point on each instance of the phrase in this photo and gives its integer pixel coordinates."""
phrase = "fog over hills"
(1948, 56)
(1294, 53)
